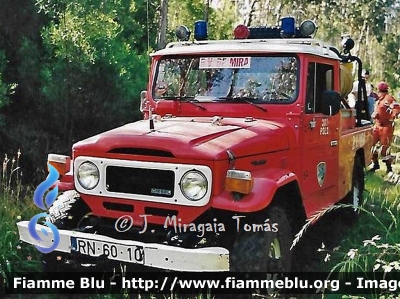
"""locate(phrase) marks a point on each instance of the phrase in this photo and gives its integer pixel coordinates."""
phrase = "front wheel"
(266, 250)
(67, 212)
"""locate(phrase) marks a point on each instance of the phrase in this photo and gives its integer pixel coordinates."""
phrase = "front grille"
(145, 181)
(151, 182)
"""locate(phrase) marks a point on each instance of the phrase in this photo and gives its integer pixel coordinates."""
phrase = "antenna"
(147, 24)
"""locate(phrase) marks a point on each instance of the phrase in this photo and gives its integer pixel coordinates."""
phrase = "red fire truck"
(242, 141)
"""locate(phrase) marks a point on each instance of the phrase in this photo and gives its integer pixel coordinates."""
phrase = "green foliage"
(135, 20)
(83, 78)
(19, 22)
(94, 75)
(3, 87)
(221, 21)
(392, 62)
(15, 206)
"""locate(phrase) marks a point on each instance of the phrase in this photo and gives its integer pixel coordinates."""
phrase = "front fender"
(266, 183)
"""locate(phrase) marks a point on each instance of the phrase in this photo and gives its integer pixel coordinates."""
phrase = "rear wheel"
(357, 188)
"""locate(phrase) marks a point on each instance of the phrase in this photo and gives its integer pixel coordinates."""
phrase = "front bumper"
(147, 254)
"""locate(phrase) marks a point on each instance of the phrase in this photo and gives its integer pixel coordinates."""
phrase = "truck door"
(321, 133)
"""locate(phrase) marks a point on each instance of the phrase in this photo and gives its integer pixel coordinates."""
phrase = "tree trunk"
(251, 13)
(361, 37)
(162, 35)
(206, 8)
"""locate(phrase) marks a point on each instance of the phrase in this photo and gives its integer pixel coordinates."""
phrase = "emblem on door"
(321, 171)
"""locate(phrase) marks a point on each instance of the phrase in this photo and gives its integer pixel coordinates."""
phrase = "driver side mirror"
(143, 101)
(331, 101)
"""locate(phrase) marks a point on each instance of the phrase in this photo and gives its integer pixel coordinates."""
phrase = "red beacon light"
(241, 32)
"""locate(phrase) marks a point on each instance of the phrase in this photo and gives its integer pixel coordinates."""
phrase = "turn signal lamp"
(238, 181)
(59, 162)
(200, 30)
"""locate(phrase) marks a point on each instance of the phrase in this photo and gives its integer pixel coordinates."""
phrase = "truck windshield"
(222, 79)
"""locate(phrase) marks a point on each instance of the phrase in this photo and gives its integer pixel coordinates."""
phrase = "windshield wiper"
(245, 100)
(270, 94)
(184, 99)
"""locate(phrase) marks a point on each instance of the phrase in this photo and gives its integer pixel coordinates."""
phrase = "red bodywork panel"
(278, 145)
(192, 138)
(194, 141)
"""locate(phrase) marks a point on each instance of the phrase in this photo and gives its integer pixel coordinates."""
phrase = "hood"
(191, 138)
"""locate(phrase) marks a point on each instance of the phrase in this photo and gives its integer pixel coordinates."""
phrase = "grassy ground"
(15, 204)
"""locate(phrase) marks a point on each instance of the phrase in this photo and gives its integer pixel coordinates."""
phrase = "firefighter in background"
(353, 96)
(385, 112)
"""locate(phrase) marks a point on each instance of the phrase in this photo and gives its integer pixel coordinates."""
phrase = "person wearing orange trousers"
(385, 112)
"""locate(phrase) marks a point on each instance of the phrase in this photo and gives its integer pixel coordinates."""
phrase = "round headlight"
(88, 175)
(194, 185)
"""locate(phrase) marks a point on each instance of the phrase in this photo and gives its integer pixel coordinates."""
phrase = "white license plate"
(115, 251)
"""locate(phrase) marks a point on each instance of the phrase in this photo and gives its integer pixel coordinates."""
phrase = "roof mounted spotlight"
(308, 28)
(347, 44)
(200, 30)
(182, 33)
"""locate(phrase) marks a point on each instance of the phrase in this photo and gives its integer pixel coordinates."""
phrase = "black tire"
(264, 251)
(68, 210)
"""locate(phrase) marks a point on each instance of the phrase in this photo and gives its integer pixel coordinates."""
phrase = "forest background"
(71, 69)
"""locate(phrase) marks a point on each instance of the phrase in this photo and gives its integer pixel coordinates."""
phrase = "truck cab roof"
(250, 46)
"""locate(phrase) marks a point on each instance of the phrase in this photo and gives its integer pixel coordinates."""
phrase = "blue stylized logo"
(49, 199)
